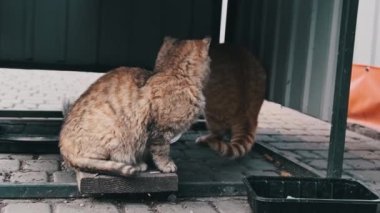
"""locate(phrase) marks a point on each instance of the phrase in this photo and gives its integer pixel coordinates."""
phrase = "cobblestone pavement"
(296, 136)
(195, 164)
(41, 90)
(206, 205)
(306, 139)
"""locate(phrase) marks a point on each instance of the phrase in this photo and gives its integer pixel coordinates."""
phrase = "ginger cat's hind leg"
(216, 133)
(205, 139)
(242, 139)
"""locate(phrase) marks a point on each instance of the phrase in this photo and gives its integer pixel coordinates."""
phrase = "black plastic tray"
(309, 195)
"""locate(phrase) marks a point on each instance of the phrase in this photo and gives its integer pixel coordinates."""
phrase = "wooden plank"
(146, 182)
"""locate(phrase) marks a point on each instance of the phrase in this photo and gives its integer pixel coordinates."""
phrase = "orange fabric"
(364, 102)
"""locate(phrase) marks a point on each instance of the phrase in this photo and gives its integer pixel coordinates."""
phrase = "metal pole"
(342, 87)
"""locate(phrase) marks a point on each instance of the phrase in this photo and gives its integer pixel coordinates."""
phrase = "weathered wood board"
(146, 182)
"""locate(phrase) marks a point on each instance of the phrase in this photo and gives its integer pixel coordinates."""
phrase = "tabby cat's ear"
(169, 39)
(207, 40)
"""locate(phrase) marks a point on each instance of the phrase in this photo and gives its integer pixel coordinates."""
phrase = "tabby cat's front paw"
(167, 167)
(142, 167)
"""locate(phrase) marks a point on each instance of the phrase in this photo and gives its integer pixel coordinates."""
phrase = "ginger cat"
(106, 130)
(234, 95)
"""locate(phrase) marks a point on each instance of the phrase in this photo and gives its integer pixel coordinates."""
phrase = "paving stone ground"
(9, 165)
(40, 90)
(205, 205)
(195, 163)
(28, 177)
(27, 207)
(206, 167)
(304, 138)
(293, 134)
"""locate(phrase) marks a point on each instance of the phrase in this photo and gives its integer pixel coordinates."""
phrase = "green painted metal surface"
(342, 88)
(29, 135)
(28, 190)
(29, 114)
(70, 190)
(98, 34)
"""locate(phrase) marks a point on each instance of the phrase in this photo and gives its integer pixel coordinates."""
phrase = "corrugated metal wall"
(367, 45)
(297, 42)
(83, 34)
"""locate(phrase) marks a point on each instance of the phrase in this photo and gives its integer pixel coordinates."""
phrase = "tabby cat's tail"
(242, 141)
(66, 106)
(102, 166)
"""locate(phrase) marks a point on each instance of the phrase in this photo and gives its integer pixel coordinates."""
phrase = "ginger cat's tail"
(242, 141)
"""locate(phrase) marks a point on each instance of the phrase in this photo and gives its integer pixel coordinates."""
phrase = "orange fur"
(234, 95)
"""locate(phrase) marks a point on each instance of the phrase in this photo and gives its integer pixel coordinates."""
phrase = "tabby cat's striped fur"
(107, 128)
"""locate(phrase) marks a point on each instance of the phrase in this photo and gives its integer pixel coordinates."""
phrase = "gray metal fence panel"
(298, 45)
(367, 46)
